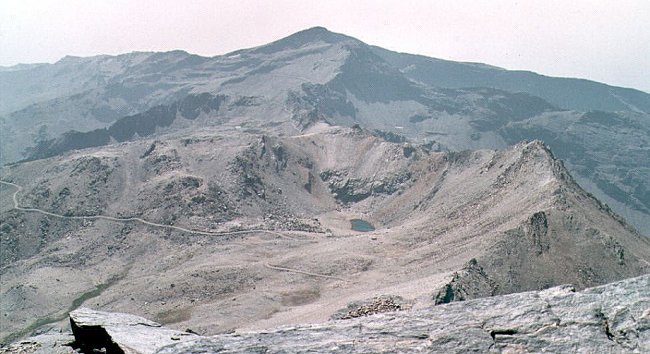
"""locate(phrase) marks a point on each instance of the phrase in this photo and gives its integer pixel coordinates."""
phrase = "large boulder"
(121, 333)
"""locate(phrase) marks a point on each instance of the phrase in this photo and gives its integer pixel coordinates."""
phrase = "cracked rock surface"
(46, 343)
(609, 318)
(120, 332)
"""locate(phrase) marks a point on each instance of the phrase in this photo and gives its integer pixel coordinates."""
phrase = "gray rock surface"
(614, 318)
(47, 343)
(119, 331)
(611, 318)
(469, 283)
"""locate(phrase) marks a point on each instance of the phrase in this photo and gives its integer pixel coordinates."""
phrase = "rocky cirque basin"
(235, 230)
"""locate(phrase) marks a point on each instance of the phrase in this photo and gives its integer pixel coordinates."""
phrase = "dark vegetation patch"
(127, 128)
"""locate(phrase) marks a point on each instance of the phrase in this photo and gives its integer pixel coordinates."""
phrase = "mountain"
(229, 227)
(312, 178)
(601, 132)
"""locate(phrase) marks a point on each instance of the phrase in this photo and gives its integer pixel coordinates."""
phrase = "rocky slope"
(83, 94)
(574, 94)
(602, 132)
(254, 229)
(610, 318)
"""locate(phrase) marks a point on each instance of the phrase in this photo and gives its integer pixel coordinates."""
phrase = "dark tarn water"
(361, 225)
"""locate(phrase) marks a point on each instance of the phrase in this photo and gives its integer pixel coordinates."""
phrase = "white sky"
(602, 40)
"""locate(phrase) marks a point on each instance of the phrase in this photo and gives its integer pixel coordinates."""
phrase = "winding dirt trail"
(133, 219)
(283, 269)
(162, 226)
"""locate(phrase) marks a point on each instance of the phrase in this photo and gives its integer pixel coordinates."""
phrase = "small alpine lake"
(361, 225)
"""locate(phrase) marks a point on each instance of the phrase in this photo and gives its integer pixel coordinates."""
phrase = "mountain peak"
(304, 37)
(316, 29)
(315, 34)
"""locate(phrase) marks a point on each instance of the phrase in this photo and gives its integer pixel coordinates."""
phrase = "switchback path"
(132, 219)
(303, 272)
(162, 226)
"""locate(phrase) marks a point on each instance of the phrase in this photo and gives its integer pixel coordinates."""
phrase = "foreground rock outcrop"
(609, 318)
(120, 332)
(614, 317)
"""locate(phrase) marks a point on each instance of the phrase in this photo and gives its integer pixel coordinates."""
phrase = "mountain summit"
(309, 36)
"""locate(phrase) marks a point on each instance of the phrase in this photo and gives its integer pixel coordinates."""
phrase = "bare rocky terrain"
(611, 318)
(230, 230)
(601, 132)
(345, 191)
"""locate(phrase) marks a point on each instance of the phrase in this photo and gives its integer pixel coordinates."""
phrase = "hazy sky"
(602, 40)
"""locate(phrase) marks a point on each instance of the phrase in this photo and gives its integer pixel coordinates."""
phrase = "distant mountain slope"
(129, 77)
(576, 94)
(318, 76)
(83, 94)
(131, 127)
